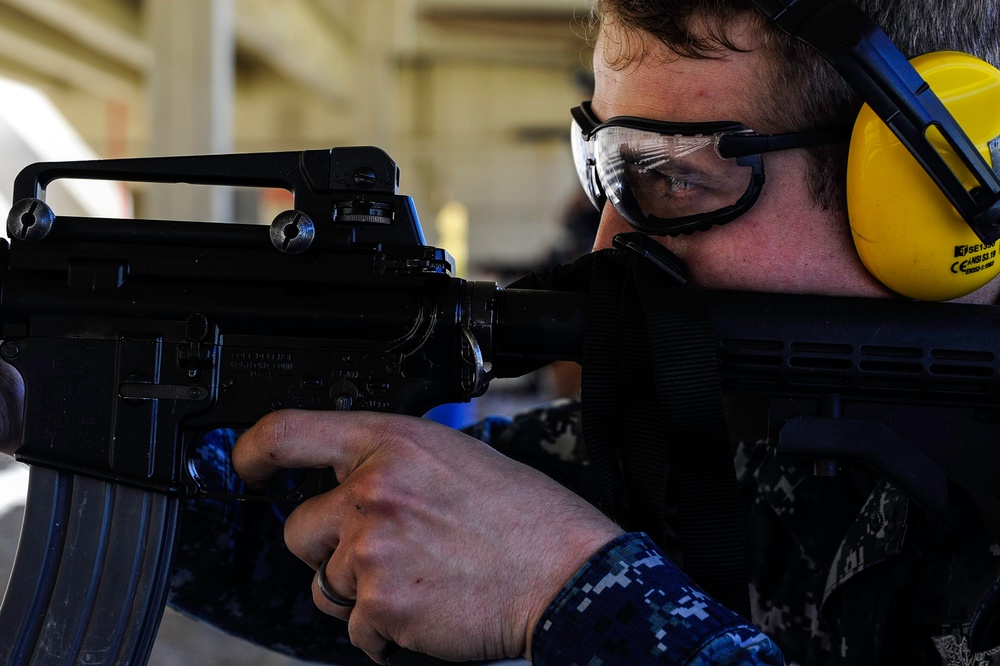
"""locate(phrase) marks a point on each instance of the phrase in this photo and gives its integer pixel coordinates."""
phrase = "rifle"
(134, 337)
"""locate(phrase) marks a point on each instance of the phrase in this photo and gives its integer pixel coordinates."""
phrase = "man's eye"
(654, 177)
(677, 184)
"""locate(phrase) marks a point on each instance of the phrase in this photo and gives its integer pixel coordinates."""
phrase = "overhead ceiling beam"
(87, 29)
(513, 39)
(50, 63)
(508, 6)
(483, 55)
(298, 43)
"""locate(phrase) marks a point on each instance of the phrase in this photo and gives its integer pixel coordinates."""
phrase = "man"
(437, 543)
(450, 549)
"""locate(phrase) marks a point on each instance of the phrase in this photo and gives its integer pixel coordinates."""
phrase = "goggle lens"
(663, 183)
(584, 162)
(670, 178)
(649, 175)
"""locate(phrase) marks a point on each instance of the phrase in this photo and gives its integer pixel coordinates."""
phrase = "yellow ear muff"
(906, 231)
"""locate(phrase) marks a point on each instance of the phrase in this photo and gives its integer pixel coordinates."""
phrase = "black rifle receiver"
(136, 337)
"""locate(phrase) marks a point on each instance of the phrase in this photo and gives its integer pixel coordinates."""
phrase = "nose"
(612, 224)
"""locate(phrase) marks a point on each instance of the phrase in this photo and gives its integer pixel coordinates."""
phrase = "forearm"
(11, 407)
(629, 604)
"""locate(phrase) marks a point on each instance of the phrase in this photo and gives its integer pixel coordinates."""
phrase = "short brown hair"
(803, 91)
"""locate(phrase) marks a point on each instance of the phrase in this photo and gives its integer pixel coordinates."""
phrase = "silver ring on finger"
(328, 593)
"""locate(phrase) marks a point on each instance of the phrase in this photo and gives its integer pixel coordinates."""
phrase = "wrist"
(579, 552)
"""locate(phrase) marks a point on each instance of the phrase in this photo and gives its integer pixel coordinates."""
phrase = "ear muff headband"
(868, 60)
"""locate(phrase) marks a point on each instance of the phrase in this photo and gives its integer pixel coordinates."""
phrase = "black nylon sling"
(653, 418)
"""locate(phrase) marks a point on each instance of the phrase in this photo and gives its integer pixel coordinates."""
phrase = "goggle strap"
(738, 145)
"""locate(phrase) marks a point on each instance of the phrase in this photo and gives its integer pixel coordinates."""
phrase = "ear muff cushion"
(905, 230)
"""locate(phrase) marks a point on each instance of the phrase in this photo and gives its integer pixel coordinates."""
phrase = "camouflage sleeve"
(630, 605)
(549, 438)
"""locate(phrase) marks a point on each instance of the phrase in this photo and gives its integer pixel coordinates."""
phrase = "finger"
(287, 439)
(293, 439)
(330, 592)
(313, 529)
(364, 635)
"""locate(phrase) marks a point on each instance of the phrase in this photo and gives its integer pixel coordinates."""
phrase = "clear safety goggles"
(669, 178)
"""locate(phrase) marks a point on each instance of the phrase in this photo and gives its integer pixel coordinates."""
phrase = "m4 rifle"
(136, 337)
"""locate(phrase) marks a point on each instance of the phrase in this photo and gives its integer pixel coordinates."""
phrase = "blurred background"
(470, 97)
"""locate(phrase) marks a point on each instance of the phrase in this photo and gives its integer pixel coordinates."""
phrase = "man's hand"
(11, 408)
(448, 547)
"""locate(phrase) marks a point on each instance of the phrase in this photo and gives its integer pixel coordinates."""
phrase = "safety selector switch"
(344, 394)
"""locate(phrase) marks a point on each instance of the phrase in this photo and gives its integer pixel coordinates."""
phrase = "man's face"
(786, 242)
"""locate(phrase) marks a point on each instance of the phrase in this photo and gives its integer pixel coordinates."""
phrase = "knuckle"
(367, 553)
(275, 432)
(295, 533)
(377, 491)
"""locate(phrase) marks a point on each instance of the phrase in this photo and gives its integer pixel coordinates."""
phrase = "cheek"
(742, 254)
(798, 253)
(611, 225)
(770, 247)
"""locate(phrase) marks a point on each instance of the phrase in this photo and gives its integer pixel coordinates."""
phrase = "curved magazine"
(91, 573)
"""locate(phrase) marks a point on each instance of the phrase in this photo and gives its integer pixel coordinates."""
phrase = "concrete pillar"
(191, 85)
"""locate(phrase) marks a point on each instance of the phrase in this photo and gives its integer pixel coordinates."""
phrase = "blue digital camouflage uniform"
(631, 605)
(847, 570)
(844, 570)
